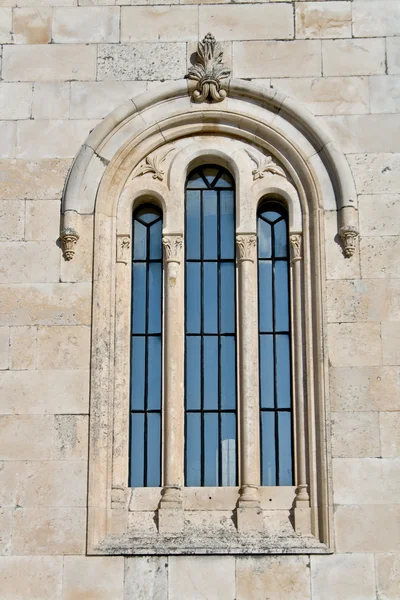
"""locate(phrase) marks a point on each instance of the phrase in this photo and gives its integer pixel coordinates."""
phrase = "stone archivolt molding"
(208, 71)
(105, 182)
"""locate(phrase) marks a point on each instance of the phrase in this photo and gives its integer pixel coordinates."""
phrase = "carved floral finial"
(348, 235)
(208, 71)
(152, 164)
(69, 237)
(264, 165)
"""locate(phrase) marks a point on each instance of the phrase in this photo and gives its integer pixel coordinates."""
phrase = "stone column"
(249, 514)
(170, 513)
(302, 506)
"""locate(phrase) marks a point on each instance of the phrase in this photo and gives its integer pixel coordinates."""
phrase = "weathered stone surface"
(388, 576)
(385, 94)
(142, 61)
(52, 483)
(5, 25)
(93, 577)
(391, 343)
(44, 179)
(393, 55)
(45, 304)
(375, 18)
(25, 262)
(71, 437)
(343, 577)
(15, 100)
(4, 347)
(49, 62)
(32, 25)
(26, 437)
(281, 577)
(6, 532)
(63, 347)
(51, 530)
(353, 57)
(380, 256)
(248, 22)
(161, 23)
(86, 25)
(23, 343)
(323, 19)
(373, 528)
(146, 577)
(9, 473)
(390, 433)
(297, 58)
(41, 580)
(379, 214)
(8, 139)
(94, 100)
(42, 220)
(44, 392)
(197, 577)
(354, 344)
(366, 481)
(51, 139)
(355, 434)
(12, 216)
(365, 388)
(328, 96)
(51, 100)
(376, 173)
(359, 300)
(365, 133)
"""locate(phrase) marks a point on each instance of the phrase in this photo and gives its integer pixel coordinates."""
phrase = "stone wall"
(64, 67)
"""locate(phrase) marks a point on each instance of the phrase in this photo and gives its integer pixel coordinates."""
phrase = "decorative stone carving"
(69, 237)
(123, 246)
(348, 235)
(246, 244)
(152, 164)
(208, 71)
(172, 245)
(264, 165)
(295, 246)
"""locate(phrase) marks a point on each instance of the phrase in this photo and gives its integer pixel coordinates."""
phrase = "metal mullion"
(146, 371)
(202, 338)
(274, 347)
(218, 334)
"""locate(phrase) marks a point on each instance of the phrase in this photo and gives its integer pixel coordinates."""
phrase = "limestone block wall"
(64, 65)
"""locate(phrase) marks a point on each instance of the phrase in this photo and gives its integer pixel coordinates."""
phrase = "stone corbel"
(348, 230)
(69, 237)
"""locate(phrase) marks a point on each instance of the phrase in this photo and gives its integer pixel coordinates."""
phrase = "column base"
(302, 520)
(249, 519)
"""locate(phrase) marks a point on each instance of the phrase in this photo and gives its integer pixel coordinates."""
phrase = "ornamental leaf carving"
(266, 164)
(209, 71)
(152, 164)
(246, 244)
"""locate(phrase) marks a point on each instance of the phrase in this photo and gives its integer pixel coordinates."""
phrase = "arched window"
(146, 348)
(274, 346)
(210, 329)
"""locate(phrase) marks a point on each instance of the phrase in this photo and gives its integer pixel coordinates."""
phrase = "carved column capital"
(123, 247)
(172, 245)
(246, 244)
(349, 236)
(69, 237)
(295, 246)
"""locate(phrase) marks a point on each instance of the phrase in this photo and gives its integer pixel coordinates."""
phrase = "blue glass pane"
(265, 294)
(193, 298)
(137, 450)
(210, 372)
(267, 371)
(210, 174)
(264, 239)
(285, 448)
(153, 449)
(281, 296)
(196, 181)
(268, 469)
(154, 308)
(210, 297)
(210, 228)
(148, 214)
(192, 234)
(227, 224)
(154, 373)
(155, 241)
(227, 297)
(282, 371)
(228, 372)
(139, 298)
(211, 449)
(228, 448)
(224, 181)
(280, 239)
(193, 449)
(193, 372)
(271, 215)
(139, 241)
(138, 372)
